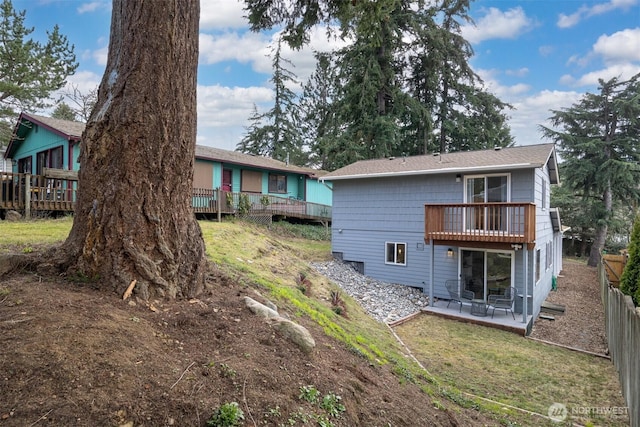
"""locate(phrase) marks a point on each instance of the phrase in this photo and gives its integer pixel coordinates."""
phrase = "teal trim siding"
(319, 192)
(39, 139)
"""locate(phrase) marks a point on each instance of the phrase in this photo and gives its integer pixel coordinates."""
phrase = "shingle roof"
(236, 157)
(67, 127)
(522, 157)
(73, 130)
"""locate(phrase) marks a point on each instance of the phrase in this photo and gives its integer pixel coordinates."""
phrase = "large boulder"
(295, 333)
(12, 216)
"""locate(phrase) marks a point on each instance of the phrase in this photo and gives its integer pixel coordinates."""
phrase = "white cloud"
(223, 112)
(621, 71)
(100, 55)
(532, 111)
(84, 81)
(545, 50)
(93, 6)
(244, 48)
(568, 21)
(222, 14)
(498, 24)
(622, 46)
(255, 49)
(619, 54)
(521, 72)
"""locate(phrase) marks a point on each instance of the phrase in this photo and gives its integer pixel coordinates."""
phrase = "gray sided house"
(480, 219)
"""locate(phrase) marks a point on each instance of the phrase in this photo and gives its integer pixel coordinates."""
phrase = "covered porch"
(521, 325)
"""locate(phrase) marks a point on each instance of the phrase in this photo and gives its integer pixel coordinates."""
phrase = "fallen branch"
(14, 321)
(129, 290)
(244, 399)
(185, 371)
(41, 418)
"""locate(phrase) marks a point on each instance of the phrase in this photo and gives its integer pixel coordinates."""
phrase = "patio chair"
(461, 296)
(502, 301)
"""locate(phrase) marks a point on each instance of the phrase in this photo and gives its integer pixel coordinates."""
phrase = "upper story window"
(277, 183)
(396, 253)
(487, 189)
(544, 194)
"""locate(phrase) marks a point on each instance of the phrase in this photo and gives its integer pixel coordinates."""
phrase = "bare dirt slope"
(73, 355)
(582, 324)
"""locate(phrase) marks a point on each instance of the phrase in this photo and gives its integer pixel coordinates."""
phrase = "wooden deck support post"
(27, 196)
(219, 203)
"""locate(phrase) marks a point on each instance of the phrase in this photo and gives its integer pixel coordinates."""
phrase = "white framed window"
(395, 253)
(544, 194)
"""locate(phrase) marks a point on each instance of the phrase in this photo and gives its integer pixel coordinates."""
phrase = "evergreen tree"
(64, 112)
(276, 133)
(318, 119)
(464, 116)
(598, 140)
(403, 74)
(630, 279)
(29, 70)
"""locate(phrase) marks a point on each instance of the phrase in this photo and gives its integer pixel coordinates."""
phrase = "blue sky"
(537, 55)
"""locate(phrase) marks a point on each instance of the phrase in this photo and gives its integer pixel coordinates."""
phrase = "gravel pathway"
(385, 302)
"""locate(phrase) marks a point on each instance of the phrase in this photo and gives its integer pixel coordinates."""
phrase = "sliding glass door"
(486, 272)
(487, 189)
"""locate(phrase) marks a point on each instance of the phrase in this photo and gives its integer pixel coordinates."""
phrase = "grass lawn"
(24, 236)
(507, 368)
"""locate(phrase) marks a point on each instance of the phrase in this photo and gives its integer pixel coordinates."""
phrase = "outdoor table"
(478, 307)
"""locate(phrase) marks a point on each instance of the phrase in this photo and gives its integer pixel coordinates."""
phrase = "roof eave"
(273, 168)
(434, 171)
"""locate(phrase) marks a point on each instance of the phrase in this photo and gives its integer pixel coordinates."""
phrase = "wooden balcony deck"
(491, 225)
(57, 192)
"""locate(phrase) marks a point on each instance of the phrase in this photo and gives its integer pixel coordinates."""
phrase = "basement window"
(396, 253)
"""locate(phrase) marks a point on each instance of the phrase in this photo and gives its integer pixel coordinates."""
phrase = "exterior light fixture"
(458, 178)
(450, 253)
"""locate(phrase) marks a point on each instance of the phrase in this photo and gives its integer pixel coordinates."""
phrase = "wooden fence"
(614, 266)
(622, 324)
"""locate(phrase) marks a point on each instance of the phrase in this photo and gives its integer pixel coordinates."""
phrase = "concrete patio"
(500, 320)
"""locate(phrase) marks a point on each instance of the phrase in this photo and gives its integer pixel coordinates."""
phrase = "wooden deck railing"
(512, 223)
(21, 191)
(212, 201)
(58, 192)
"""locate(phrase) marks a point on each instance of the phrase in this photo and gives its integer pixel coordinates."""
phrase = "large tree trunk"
(133, 219)
(601, 229)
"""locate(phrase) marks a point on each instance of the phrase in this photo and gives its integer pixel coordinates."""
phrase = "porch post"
(219, 203)
(27, 196)
(431, 275)
(525, 293)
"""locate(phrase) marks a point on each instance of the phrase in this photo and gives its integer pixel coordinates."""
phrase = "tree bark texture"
(133, 218)
(602, 229)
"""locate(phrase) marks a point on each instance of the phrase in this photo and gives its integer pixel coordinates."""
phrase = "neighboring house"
(5, 163)
(237, 172)
(480, 217)
(42, 142)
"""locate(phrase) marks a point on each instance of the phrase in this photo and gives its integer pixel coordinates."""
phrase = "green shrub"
(227, 415)
(630, 279)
